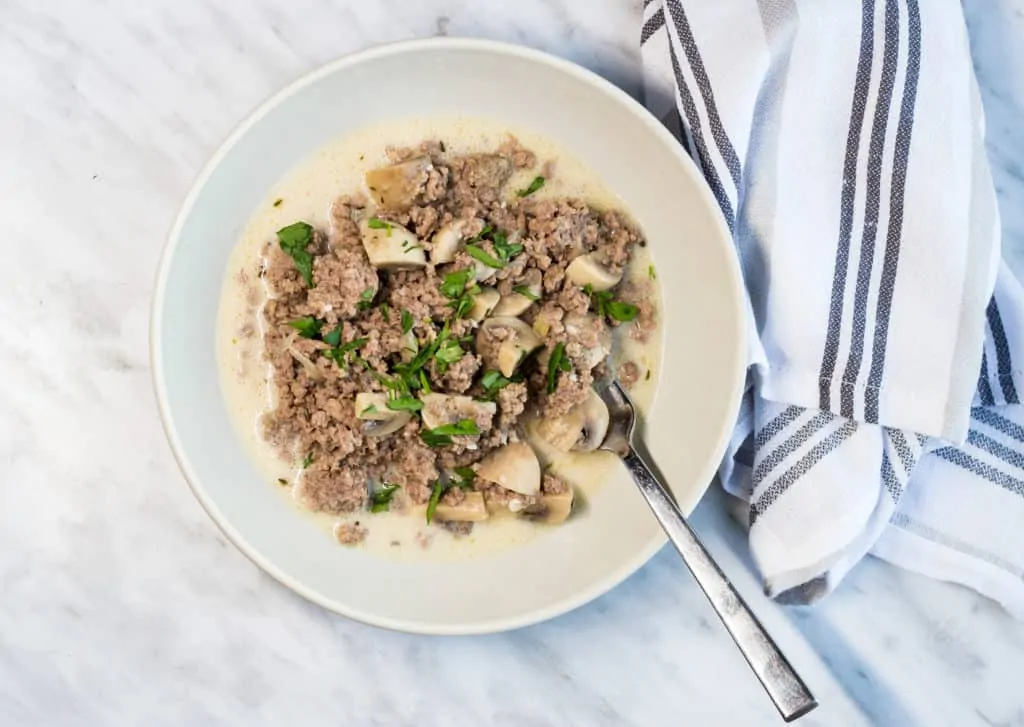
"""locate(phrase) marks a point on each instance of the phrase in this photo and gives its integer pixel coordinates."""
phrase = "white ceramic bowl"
(700, 377)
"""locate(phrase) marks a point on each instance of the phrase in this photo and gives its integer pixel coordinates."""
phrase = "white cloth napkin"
(843, 142)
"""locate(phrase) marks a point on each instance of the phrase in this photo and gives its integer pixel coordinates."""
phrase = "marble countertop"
(121, 603)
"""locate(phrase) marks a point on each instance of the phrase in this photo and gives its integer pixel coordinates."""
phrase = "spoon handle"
(791, 696)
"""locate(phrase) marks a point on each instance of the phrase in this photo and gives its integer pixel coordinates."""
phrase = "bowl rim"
(527, 618)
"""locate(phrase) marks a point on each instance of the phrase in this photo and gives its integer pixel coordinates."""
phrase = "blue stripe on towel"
(901, 156)
(876, 148)
(848, 194)
(804, 465)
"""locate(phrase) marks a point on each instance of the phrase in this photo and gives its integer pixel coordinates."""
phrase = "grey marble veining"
(121, 604)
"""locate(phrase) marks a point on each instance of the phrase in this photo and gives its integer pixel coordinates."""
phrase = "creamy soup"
(411, 327)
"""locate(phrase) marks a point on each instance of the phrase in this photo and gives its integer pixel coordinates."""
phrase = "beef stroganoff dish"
(412, 327)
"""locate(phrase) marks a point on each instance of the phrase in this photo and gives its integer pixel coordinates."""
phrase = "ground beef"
(458, 377)
(511, 403)
(333, 489)
(641, 294)
(457, 528)
(629, 374)
(521, 157)
(553, 485)
(350, 533)
(478, 179)
(357, 344)
(342, 277)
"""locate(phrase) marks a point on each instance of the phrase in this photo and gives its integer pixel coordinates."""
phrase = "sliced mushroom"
(441, 409)
(307, 364)
(499, 502)
(471, 509)
(397, 186)
(504, 342)
(589, 270)
(390, 246)
(372, 408)
(551, 509)
(515, 303)
(584, 327)
(482, 271)
(483, 304)
(410, 346)
(449, 237)
(582, 428)
(514, 467)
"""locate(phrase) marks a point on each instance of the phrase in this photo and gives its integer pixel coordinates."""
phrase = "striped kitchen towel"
(844, 144)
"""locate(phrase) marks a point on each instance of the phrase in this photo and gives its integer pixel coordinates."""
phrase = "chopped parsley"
(457, 286)
(340, 354)
(405, 403)
(307, 461)
(478, 253)
(376, 223)
(488, 229)
(557, 362)
(334, 337)
(604, 304)
(407, 322)
(435, 498)
(371, 409)
(466, 477)
(536, 184)
(506, 250)
(448, 353)
(380, 501)
(651, 273)
(442, 436)
(307, 326)
(277, 202)
(294, 241)
(454, 284)
(493, 382)
(385, 311)
(282, 481)
(525, 292)
(366, 299)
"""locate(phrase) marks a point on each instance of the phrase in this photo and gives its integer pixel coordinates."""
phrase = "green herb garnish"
(525, 292)
(478, 253)
(493, 382)
(442, 436)
(605, 305)
(376, 223)
(307, 326)
(334, 337)
(385, 311)
(407, 322)
(454, 284)
(466, 477)
(536, 184)
(488, 229)
(380, 501)
(448, 353)
(277, 202)
(506, 250)
(405, 403)
(557, 362)
(294, 239)
(307, 460)
(651, 273)
(435, 497)
(371, 409)
(282, 481)
(366, 299)
(340, 353)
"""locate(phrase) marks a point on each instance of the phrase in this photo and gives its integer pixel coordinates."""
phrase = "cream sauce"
(306, 193)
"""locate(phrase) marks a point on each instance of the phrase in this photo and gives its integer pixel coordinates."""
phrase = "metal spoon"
(789, 693)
